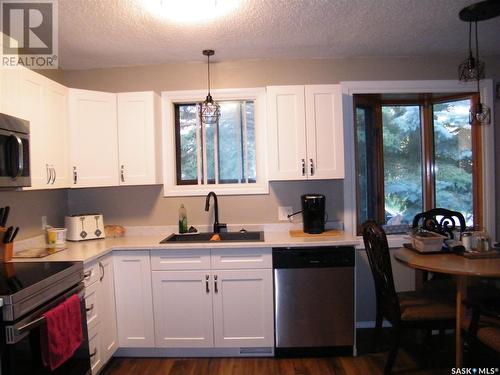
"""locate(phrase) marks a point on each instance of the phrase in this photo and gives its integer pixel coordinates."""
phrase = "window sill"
(394, 240)
(196, 190)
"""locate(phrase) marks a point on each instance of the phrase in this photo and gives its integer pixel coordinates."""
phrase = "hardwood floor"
(370, 364)
(432, 358)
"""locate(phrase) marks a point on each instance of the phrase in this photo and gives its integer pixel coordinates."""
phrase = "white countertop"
(87, 251)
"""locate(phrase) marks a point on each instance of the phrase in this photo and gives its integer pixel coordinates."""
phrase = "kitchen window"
(226, 157)
(413, 153)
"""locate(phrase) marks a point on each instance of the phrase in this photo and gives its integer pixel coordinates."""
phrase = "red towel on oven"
(64, 332)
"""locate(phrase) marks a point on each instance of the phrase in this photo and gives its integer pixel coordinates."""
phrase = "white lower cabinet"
(182, 309)
(101, 311)
(221, 308)
(134, 301)
(96, 362)
(243, 308)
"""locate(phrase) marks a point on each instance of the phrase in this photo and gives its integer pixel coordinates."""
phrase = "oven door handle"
(14, 333)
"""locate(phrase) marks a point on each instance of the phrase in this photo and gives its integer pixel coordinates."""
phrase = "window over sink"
(226, 157)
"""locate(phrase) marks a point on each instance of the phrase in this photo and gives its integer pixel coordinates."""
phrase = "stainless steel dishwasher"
(314, 301)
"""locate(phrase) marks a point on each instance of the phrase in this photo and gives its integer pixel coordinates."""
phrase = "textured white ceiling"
(105, 33)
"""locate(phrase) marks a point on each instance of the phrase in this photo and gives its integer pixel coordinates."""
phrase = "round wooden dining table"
(462, 268)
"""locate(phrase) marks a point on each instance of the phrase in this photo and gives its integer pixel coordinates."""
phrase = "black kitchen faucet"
(217, 226)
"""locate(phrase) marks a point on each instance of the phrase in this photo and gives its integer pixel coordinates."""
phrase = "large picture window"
(413, 153)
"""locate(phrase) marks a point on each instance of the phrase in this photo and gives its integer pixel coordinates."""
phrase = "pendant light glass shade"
(471, 69)
(480, 113)
(209, 110)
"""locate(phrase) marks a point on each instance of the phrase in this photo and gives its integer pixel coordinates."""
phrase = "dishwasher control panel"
(306, 257)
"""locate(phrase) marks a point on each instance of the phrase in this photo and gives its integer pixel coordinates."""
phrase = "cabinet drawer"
(241, 258)
(191, 259)
(91, 274)
(95, 350)
(91, 305)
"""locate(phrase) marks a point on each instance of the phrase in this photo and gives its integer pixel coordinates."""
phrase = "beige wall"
(28, 207)
(146, 205)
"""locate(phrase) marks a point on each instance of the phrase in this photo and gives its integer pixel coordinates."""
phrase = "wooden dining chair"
(440, 220)
(445, 222)
(408, 310)
(483, 332)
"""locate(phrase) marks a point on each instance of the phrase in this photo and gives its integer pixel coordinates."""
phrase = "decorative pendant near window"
(472, 69)
(209, 110)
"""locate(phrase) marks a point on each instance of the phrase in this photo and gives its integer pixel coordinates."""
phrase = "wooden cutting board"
(37, 252)
(326, 233)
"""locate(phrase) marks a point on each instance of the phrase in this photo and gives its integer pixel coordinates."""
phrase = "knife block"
(6, 249)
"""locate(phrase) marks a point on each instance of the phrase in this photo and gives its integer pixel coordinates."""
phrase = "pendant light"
(472, 69)
(209, 110)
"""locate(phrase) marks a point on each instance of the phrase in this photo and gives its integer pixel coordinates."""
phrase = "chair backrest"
(377, 249)
(445, 225)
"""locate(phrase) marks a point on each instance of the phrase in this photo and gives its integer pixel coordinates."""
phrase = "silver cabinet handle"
(312, 166)
(75, 176)
(303, 167)
(122, 173)
(207, 289)
(87, 275)
(216, 289)
(102, 271)
(49, 173)
(55, 175)
(89, 309)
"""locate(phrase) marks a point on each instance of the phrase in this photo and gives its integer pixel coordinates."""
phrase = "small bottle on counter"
(183, 222)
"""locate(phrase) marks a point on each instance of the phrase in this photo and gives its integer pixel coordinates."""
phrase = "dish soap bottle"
(183, 221)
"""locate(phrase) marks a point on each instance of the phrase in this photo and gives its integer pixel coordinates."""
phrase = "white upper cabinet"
(93, 138)
(305, 137)
(139, 138)
(44, 103)
(57, 132)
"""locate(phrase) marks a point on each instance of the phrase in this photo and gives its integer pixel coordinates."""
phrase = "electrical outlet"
(283, 213)
(44, 222)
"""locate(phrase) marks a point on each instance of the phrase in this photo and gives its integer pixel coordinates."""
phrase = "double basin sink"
(201, 237)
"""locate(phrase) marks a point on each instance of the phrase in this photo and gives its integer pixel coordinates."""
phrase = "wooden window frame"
(425, 102)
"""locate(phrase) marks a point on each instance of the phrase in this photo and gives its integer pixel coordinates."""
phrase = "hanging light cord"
(470, 38)
(208, 78)
(477, 57)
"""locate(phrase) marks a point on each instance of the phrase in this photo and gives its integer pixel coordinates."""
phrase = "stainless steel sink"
(207, 237)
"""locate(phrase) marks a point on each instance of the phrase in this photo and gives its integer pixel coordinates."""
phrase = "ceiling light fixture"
(190, 11)
(472, 69)
(209, 110)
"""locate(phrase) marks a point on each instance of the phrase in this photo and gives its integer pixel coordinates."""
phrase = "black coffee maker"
(313, 213)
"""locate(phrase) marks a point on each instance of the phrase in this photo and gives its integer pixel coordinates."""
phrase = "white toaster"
(84, 227)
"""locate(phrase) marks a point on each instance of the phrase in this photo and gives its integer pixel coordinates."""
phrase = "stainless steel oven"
(14, 152)
(27, 291)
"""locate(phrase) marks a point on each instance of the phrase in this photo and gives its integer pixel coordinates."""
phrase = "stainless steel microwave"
(14, 152)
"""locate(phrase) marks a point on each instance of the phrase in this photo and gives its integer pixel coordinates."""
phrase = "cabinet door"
(325, 137)
(243, 308)
(95, 350)
(134, 302)
(107, 309)
(137, 127)
(31, 91)
(11, 102)
(183, 309)
(93, 138)
(57, 128)
(286, 133)
(92, 305)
